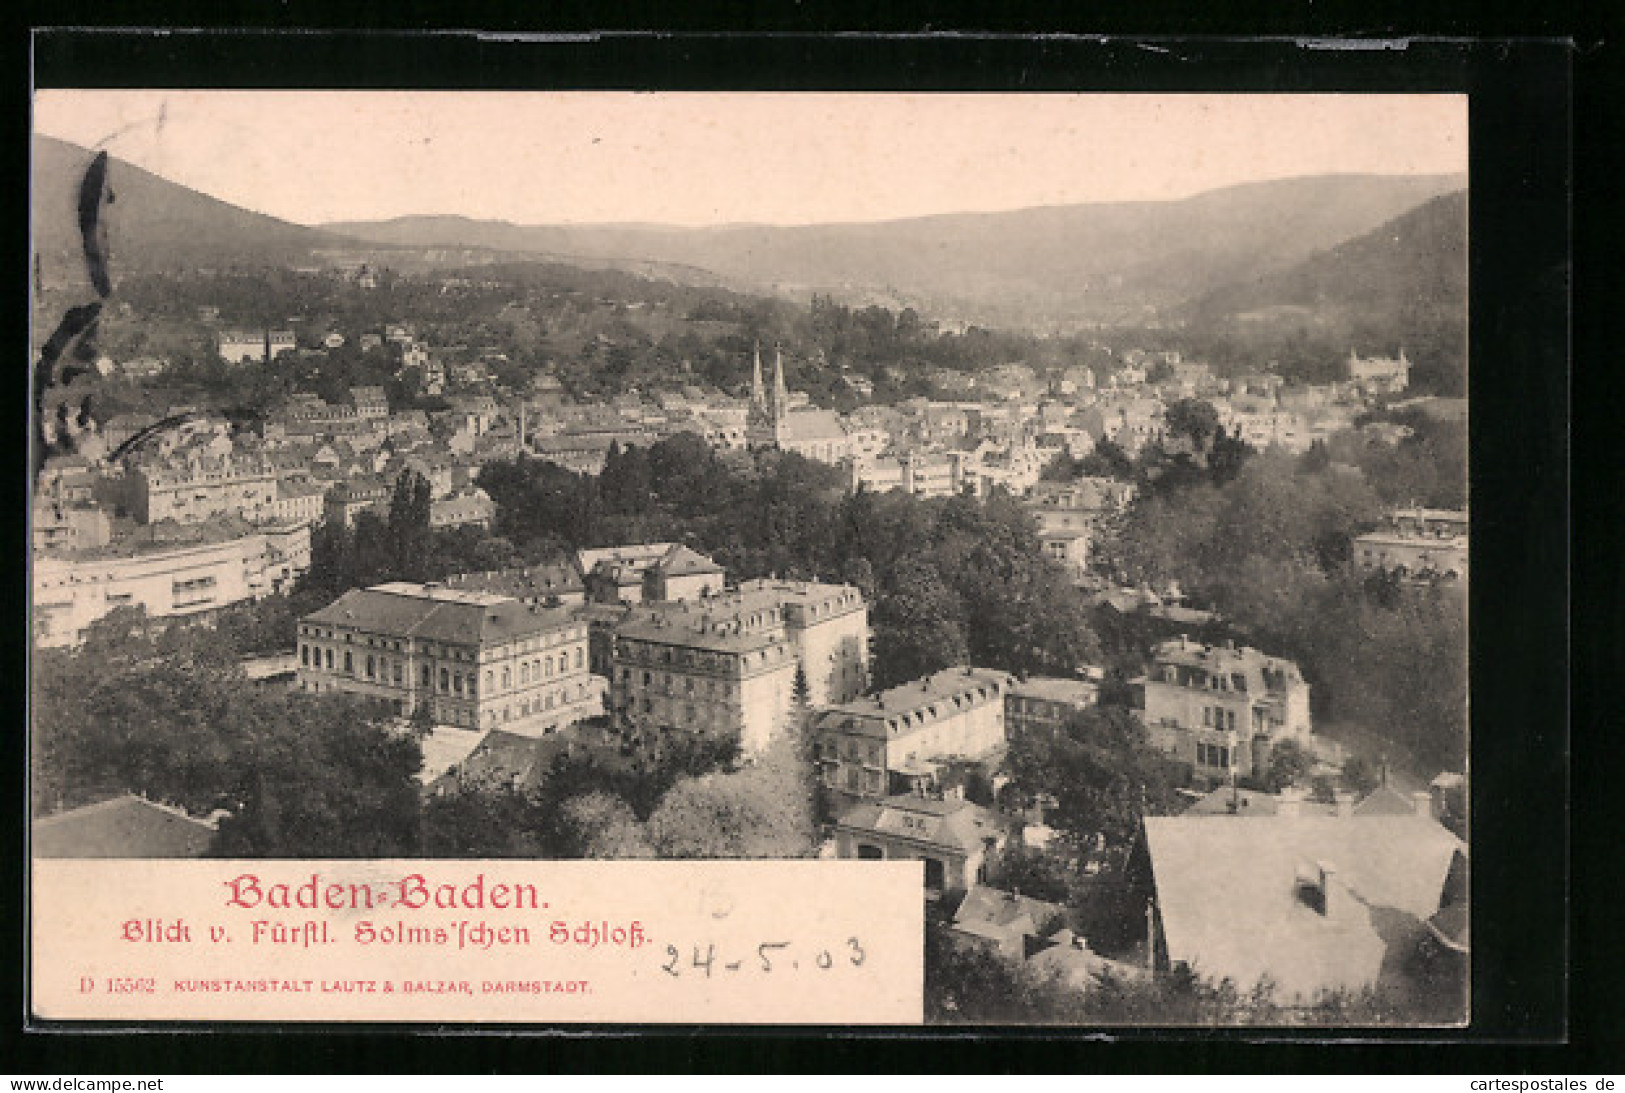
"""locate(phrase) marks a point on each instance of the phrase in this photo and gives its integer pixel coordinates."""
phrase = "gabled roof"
(1387, 801)
(808, 425)
(510, 759)
(680, 561)
(991, 912)
(1067, 956)
(123, 827)
(955, 825)
(1229, 894)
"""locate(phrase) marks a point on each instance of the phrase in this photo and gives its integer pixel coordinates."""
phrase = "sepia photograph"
(1013, 545)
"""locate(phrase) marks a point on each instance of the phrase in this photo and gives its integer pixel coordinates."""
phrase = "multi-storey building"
(347, 500)
(1380, 375)
(1417, 543)
(652, 572)
(199, 487)
(922, 474)
(829, 626)
(722, 668)
(469, 508)
(474, 660)
(185, 580)
(242, 346)
(1221, 708)
(1043, 703)
(953, 837)
(905, 737)
(298, 501)
(556, 585)
(57, 526)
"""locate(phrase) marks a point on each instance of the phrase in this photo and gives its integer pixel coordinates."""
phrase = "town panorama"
(1139, 622)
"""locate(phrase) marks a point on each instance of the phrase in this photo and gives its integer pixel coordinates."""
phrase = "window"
(564, 663)
(329, 660)
(457, 683)
(524, 672)
(547, 667)
(578, 656)
(349, 663)
(490, 679)
(428, 677)
(304, 655)
(395, 673)
(372, 667)
(445, 680)
(507, 678)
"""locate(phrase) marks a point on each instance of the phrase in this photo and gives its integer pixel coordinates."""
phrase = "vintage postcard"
(818, 559)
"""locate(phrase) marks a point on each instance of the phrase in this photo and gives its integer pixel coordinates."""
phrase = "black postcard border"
(1520, 238)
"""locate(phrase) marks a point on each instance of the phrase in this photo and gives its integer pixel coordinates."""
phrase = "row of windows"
(1217, 717)
(1213, 755)
(381, 668)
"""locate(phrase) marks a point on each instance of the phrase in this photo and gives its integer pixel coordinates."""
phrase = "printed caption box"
(755, 942)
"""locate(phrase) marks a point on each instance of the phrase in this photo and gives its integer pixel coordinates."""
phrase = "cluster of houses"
(630, 642)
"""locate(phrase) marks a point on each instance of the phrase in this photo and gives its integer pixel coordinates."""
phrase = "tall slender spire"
(758, 396)
(781, 396)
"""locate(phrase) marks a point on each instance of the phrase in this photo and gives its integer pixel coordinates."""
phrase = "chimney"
(1290, 802)
(1345, 802)
(1332, 894)
(1422, 802)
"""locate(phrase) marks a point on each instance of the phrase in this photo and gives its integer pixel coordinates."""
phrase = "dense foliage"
(948, 579)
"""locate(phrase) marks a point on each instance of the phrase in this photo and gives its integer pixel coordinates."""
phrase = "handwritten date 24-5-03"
(769, 956)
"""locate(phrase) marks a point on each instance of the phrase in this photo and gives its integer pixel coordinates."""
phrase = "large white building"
(473, 660)
(727, 663)
(180, 581)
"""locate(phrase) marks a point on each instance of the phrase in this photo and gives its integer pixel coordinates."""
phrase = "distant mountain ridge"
(154, 223)
(1401, 285)
(1105, 263)
(1101, 261)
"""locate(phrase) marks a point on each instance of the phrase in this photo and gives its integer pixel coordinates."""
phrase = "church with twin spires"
(773, 424)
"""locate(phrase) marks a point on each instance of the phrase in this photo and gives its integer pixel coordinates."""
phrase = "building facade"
(953, 837)
(904, 738)
(1417, 543)
(193, 490)
(184, 581)
(1380, 375)
(1221, 708)
(829, 626)
(473, 660)
(725, 669)
(1042, 703)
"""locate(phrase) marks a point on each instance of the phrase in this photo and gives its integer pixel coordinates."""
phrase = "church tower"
(767, 405)
(758, 395)
(779, 407)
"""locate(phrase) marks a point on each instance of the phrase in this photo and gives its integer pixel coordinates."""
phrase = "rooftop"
(947, 824)
(123, 827)
(1056, 690)
(1230, 903)
(403, 609)
(921, 694)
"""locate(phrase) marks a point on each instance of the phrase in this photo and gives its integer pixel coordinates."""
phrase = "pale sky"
(705, 158)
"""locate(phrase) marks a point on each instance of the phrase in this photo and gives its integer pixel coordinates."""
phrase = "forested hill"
(154, 224)
(1401, 285)
(1104, 262)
